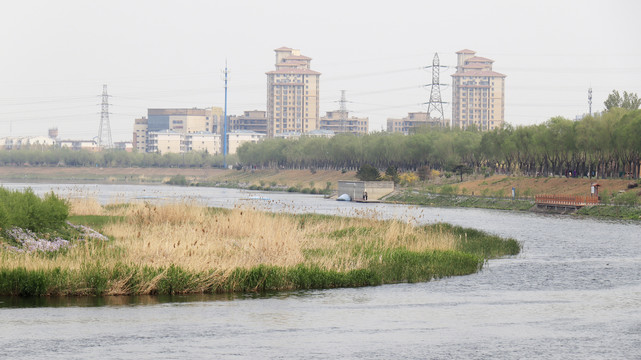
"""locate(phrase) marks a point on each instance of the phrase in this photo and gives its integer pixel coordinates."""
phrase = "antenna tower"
(590, 100)
(104, 131)
(435, 105)
(343, 111)
(225, 145)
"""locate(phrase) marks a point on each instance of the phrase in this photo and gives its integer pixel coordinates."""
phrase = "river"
(574, 292)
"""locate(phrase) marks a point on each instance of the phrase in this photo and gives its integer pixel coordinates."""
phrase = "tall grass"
(184, 248)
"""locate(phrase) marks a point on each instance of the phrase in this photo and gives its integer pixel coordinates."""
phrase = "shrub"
(368, 173)
(177, 180)
(27, 211)
(447, 190)
(628, 198)
(423, 173)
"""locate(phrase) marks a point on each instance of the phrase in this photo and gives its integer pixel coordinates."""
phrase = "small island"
(57, 247)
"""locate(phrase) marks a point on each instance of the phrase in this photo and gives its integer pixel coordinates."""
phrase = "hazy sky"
(56, 55)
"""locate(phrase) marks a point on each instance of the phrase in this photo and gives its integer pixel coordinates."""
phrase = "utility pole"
(104, 131)
(225, 145)
(435, 103)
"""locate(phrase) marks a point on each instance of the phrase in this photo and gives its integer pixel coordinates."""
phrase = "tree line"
(604, 145)
(37, 155)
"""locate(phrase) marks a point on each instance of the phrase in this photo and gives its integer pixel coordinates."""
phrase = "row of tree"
(606, 145)
(47, 156)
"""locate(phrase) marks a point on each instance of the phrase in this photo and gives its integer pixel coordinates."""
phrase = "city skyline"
(58, 55)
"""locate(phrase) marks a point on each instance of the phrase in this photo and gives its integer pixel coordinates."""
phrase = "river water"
(574, 292)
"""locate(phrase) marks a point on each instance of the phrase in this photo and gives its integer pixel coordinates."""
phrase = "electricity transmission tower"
(435, 105)
(590, 100)
(343, 111)
(104, 131)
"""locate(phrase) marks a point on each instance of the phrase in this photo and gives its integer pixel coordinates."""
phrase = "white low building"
(236, 138)
(18, 142)
(204, 141)
(165, 141)
(90, 145)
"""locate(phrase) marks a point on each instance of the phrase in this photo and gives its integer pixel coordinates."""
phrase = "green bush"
(368, 173)
(27, 211)
(447, 190)
(177, 180)
(628, 198)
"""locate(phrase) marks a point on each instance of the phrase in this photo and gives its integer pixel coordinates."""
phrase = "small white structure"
(287, 135)
(365, 190)
(320, 133)
(90, 145)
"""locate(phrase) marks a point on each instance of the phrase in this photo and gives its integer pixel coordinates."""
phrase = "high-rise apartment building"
(292, 94)
(478, 93)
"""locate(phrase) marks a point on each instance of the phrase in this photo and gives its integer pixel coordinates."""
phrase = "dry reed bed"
(199, 249)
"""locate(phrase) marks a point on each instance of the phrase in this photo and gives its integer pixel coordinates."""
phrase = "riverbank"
(423, 198)
(244, 178)
(170, 250)
(476, 191)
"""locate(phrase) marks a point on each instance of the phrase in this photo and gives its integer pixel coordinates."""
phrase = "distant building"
(478, 93)
(165, 141)
(255, 120)
(288, 135)
(124, 146)
(90, 145)
(141, 129)
(19, 142)
(204, 142)
(53, 133)
(339, 122)
(236, 138)
(181, 120)
(320, 133)
(184, 120)
(411, 122)
(292, 94)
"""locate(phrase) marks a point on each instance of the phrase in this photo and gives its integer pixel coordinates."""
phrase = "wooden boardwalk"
(566, 201)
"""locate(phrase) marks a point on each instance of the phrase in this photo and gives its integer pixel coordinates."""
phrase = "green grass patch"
(435, 200)
(613, 212)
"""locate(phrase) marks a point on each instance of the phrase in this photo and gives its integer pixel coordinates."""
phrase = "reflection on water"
(97, 301)
(573, 292)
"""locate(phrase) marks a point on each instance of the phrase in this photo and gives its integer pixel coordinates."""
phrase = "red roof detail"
(466, 51)
(294, 71)
(297, 57)
(478, 73)
(474, 66)
(283, 48)
(479, 59)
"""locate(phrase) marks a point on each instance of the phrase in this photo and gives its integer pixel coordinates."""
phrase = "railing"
(567, 200)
